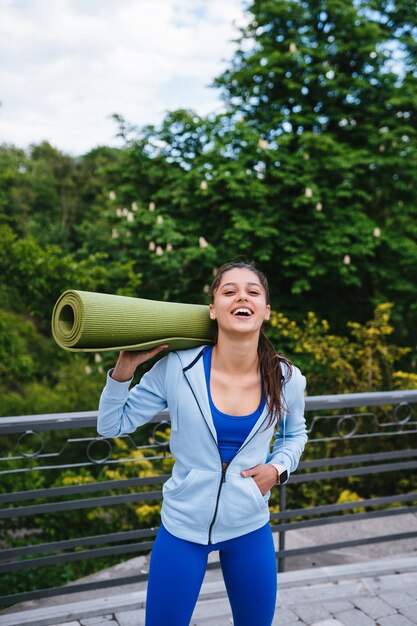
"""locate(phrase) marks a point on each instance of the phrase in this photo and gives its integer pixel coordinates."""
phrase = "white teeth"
(242, 310)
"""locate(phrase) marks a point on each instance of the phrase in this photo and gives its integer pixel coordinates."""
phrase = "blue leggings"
(177, 570)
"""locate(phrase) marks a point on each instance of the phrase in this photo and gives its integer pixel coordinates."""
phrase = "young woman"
(225, 403)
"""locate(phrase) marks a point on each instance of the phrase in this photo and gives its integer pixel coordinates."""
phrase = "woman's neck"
(238, 355)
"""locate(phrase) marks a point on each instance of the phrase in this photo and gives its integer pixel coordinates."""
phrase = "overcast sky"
(67, 65)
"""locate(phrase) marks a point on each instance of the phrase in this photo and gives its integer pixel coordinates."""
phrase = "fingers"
(158, 349)
(250, 472)
(128, 361)
(142, 355)
(146, 355)
(264, 476)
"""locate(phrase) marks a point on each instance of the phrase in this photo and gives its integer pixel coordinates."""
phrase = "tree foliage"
(310, 171)
(331, 89)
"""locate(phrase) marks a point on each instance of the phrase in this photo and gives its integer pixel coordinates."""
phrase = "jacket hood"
(189, 357)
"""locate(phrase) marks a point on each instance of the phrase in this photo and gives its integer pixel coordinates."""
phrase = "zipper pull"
(224, 476)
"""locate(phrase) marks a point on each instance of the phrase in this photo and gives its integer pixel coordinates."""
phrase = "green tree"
(33, 277)
(331, 89)
(15, 193)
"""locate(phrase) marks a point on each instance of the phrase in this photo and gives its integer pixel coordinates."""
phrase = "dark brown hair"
(269, 359)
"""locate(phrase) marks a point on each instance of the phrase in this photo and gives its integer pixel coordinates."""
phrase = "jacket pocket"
(241, 502)
(170, 488)
(258, 494)
(191, 502)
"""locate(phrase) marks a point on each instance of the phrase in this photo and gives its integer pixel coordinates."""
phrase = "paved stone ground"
(381, 592)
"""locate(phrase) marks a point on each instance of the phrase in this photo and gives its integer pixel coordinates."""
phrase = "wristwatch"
(282, 473)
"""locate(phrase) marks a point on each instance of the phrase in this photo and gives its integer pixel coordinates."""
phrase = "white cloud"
(67, 65)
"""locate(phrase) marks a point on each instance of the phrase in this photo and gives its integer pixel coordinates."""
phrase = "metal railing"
(36, 447)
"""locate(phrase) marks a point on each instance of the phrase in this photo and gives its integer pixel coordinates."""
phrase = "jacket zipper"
(224, 476)
(223, 479)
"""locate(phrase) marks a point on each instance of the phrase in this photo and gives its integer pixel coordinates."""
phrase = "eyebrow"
(234, 284)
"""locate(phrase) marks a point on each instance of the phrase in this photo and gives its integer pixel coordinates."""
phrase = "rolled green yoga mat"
(84, 321)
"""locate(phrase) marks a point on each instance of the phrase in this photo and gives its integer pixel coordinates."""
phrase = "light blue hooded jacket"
(201, 502)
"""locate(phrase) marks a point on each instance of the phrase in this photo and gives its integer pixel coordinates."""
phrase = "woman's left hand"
(264, 475)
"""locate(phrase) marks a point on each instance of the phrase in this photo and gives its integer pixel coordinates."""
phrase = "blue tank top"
(232, 430)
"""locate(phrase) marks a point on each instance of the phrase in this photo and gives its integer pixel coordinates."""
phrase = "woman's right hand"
(128, 361)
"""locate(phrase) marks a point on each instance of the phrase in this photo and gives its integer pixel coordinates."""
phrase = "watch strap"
(281, 469)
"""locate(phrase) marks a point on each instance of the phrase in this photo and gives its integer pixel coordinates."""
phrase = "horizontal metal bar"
(144, 533)
(325, 547)
(71, 588)
(60, 421)
(87, 503)
(6, 555)
(161, 457)
(343, 506)
(338, 519)
(155, 495)
(378, 435)
(89, 487)
(110, 462)
(102, 584)
(358, 458)
(126, 483)
(354, 471)
(372, 398)
(76, 556)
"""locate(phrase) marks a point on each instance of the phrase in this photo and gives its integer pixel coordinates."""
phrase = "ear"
(268, 312)
(212, 313)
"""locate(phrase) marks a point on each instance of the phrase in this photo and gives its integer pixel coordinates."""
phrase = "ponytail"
(270, 363)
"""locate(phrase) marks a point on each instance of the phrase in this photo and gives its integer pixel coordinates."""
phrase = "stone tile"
(277, 622)
(413, 591)
(211, 621)
(326, 592)
(311, 612)
(328, 622)
(211, 609)
(92, 621)
(354, 618)
(393, 582)
(398, 599)
(395, 620)
(410, 611)
(130, 618)
(67, 624)
(284, 615)
(337, 606)
(374, 607)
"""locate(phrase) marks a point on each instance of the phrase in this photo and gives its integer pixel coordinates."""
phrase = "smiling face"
(239, 302)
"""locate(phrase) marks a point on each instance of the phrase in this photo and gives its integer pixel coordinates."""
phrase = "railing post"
(281, 533)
